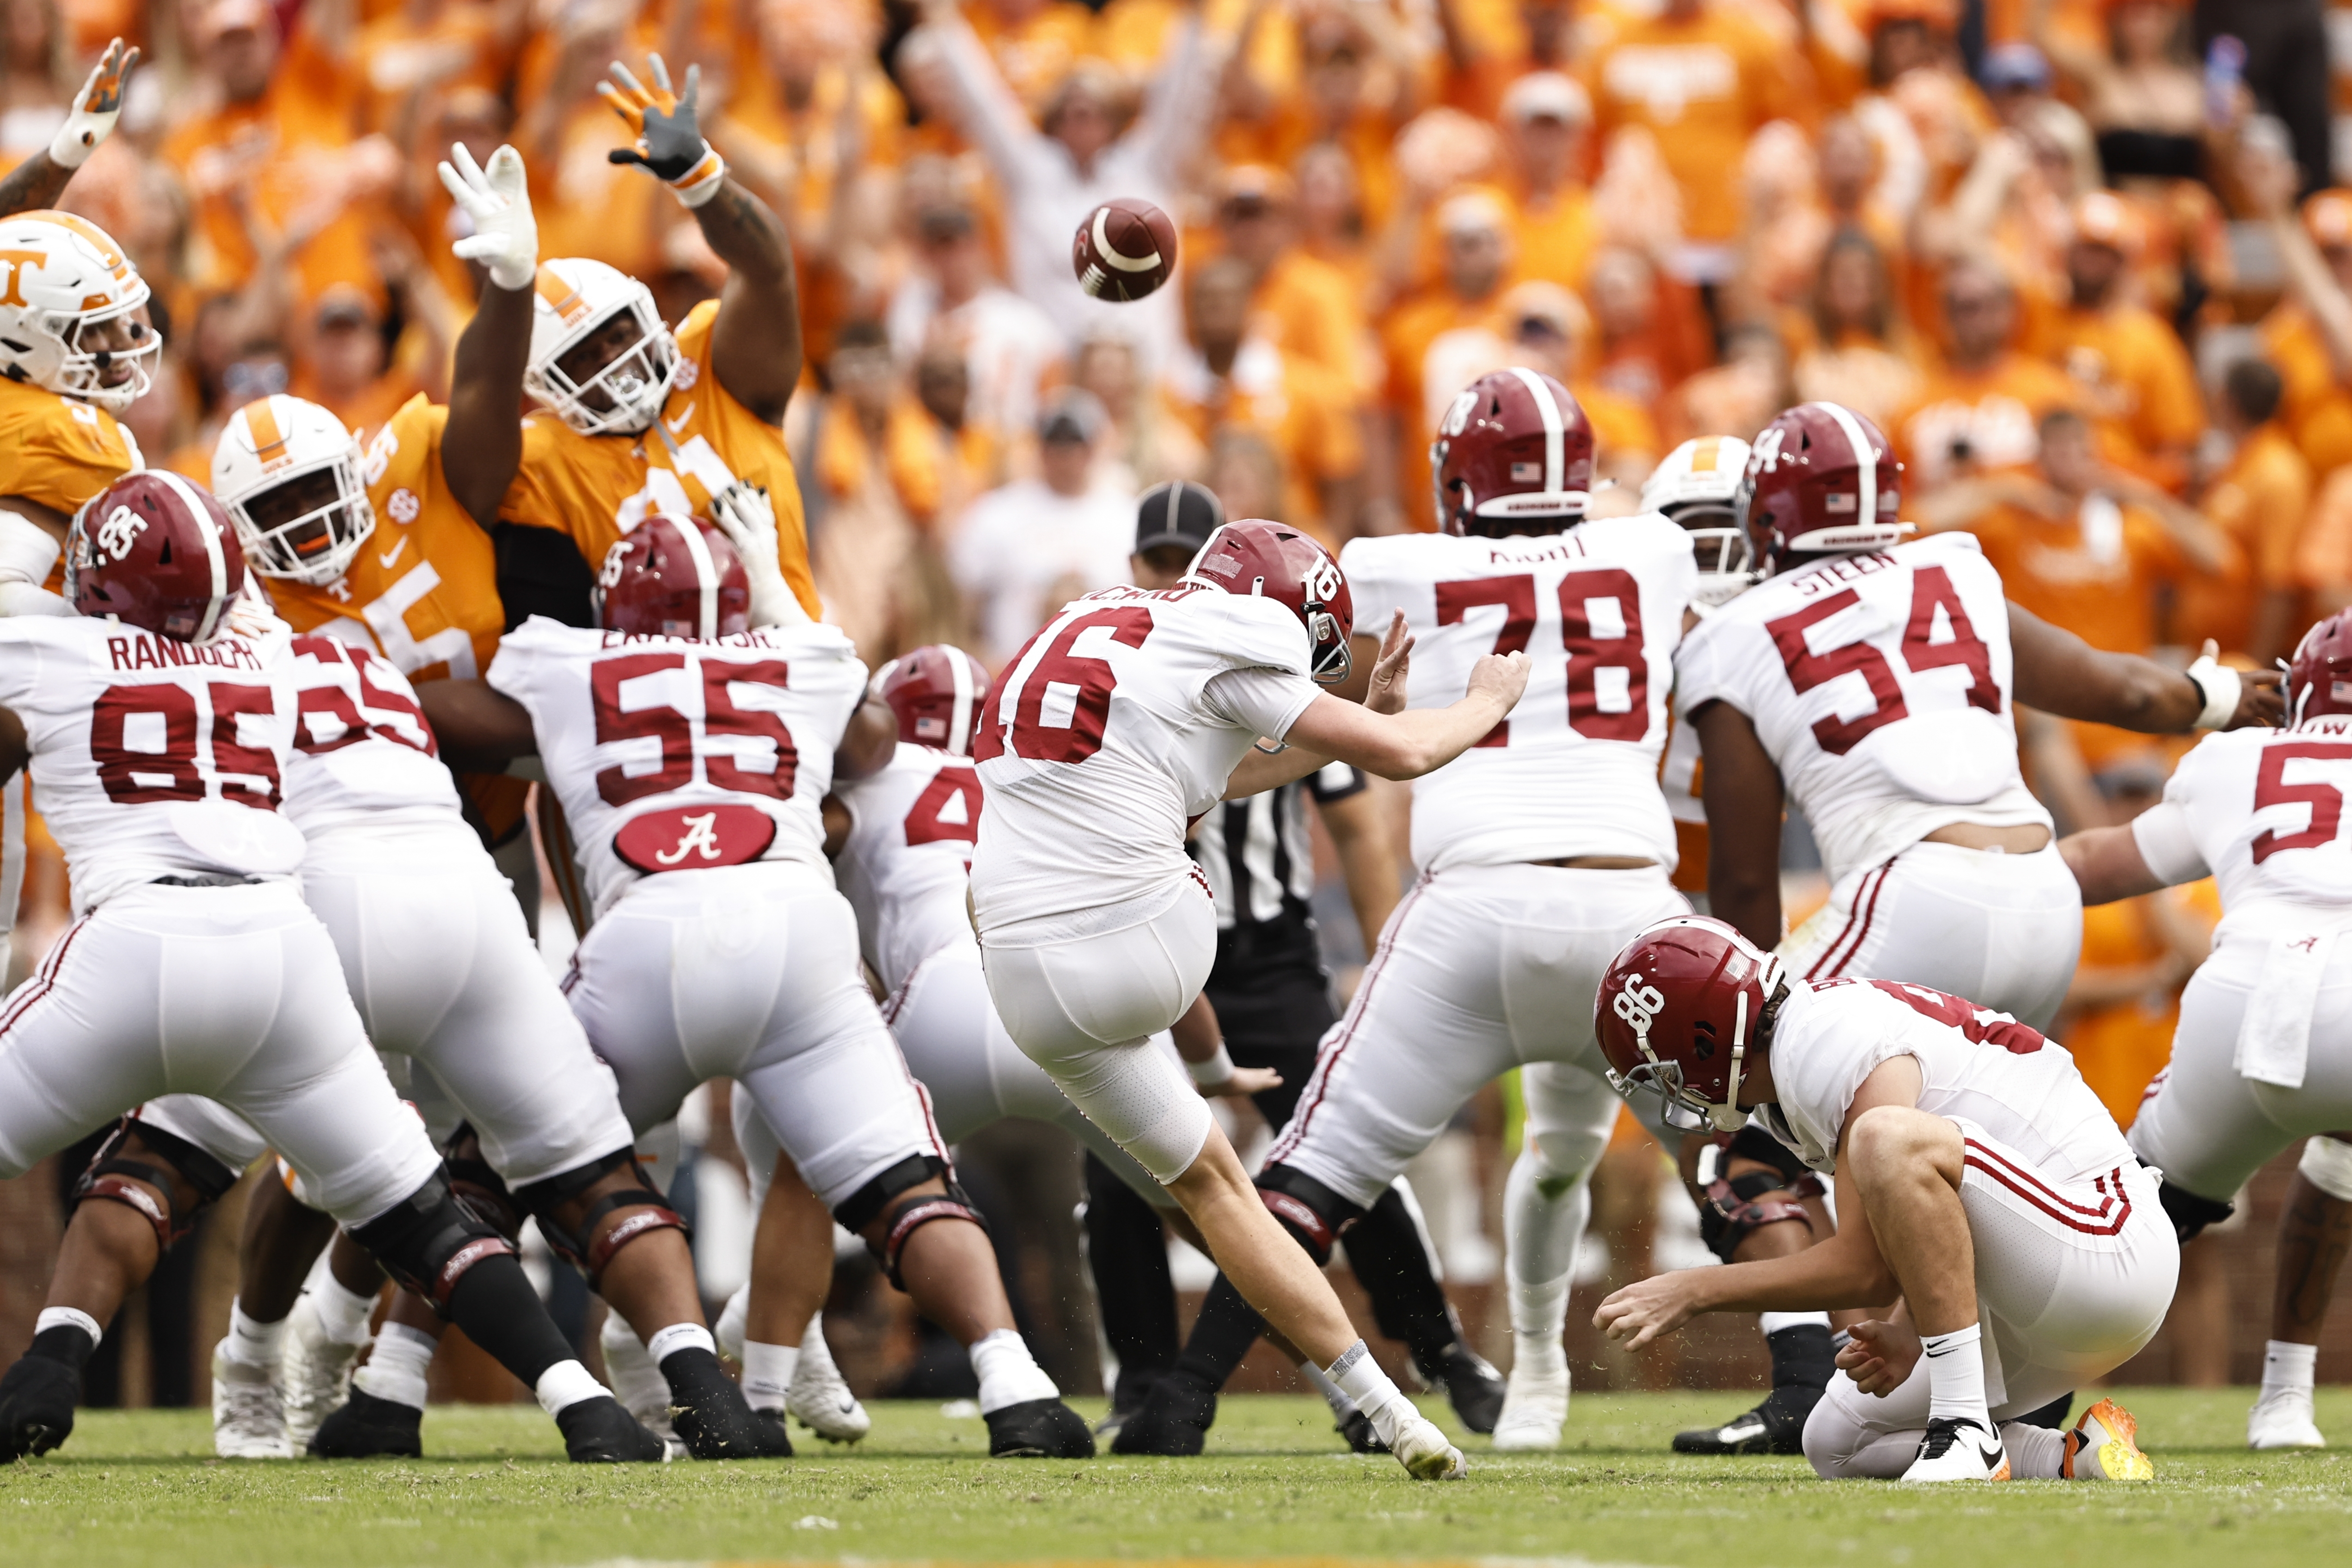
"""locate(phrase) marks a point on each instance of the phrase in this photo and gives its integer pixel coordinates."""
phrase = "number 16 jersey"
(1597, 610)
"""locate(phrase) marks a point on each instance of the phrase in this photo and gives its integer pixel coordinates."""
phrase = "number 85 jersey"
(1880, 684)
(1597, 610)
(673, 754)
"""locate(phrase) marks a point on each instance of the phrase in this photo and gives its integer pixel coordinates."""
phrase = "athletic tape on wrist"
(2221, 687)
(1214, 1073)
(701, 183)
(69, 1318)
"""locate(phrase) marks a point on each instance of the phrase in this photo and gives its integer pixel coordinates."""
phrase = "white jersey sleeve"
(1881, 685)
(905, 868)
(1974, 1063)
(672, 755)
(2264, 811)
(1598, 611)
(363, 756)
(1103, 737)
(153, 758)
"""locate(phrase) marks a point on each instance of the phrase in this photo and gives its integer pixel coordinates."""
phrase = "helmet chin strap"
(1727, 1117)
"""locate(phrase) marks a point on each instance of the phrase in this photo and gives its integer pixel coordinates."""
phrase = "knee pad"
(910, 1214)
(1737, 1209)
(582, 1248)
(2190, 1213)
(479, 1190)
(863, 1207)
(427, 1241)
(1308, 1209)
(2327, 1164)
(114, 1176)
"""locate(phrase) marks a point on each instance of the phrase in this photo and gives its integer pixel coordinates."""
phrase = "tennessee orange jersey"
(57, 450)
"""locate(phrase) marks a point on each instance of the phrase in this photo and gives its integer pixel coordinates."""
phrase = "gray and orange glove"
(95, 109)
(669, 142)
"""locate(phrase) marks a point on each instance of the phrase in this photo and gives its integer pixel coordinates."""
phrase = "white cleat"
(2282, 1418)
(1535, 1407)
(315, 1376)
(818, 1398)
(638, 1384)
(248, 1417)
(1426, 1453)
(1956, 1448)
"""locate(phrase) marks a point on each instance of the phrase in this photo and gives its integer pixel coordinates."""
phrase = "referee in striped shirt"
(1273, 998)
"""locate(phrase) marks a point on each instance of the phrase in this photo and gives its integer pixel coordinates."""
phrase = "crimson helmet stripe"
(199, 507)
(705, 575)
(1865, 458)
(1555, 426)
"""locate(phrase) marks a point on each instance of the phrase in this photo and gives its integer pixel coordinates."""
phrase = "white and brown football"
(1124, 250)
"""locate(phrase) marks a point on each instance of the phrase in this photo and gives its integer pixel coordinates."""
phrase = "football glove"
(95, 109)
(506, 233)
(669, 142)
(745, 516)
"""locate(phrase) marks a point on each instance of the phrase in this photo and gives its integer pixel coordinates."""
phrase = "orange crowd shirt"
(2316, 409)
(2095, 573)
(1960, 422)
(1311, 304)
(2120, 1049)
(1304, 412)
(2137, 385)
(1702, 88)
(2261, 501)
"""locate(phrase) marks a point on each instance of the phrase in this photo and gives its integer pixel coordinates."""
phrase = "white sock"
(1359, 1377)
(250, 1343)
(396, 1367)
(2286, 1366)
(2035, 1453)
(343, 1313)
(565, 1385)
(69, 1318)
(1342, 1405)
(731, 1329)
(1538, 1314)
(668, 1341)
(1773, 1322)
(1008, 1374)
(768, 1374)
(1956, 1374)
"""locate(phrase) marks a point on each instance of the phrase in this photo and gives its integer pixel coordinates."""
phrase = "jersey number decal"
(374, 714)
(1062, 703)
(1931, 589)
(949, 808)
(1981, 1026)
(1588, 656)
(675, 731)
(2326, 801)
(142, 774)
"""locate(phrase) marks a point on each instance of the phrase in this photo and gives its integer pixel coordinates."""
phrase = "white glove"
(2220, 687)
(95, 109)
(745, 516)
(506, 234)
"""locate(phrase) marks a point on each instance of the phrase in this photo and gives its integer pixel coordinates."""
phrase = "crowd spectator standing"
(2084, 259)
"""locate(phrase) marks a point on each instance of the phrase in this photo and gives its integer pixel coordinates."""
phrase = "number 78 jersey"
(1597, 610)
(1880, 684)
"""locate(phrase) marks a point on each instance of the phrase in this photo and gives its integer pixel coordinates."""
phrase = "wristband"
(701, 183)
(1214, 1073)
(2221, 687)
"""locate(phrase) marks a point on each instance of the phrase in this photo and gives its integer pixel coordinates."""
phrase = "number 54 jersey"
(672, 755)
(1597, 610)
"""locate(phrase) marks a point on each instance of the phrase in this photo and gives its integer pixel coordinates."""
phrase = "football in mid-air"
(1125, 249)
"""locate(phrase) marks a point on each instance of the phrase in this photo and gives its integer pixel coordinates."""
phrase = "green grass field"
(141, 1488)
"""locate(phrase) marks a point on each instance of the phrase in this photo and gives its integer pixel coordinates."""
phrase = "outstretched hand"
(669, 134)
(498, 201)
(1386, 693)
(95, 108)
(1649, 1308)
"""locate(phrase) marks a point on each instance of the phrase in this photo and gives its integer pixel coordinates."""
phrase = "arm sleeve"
(1181, 104)
(2166, 844)
(1263, 701)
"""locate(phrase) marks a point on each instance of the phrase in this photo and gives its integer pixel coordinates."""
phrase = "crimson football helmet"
(1821, 480)
(1265, 559)
(1675, 1015)
(2319, 677)
(935, 692)
(674, 577)
(1515, 448)
(155, 550)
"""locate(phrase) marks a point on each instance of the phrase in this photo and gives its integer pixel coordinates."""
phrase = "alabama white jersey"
(1975, 1064)
(907, 865)
(2262, 812)
(1880, 684)
(1574, 769)
(363, 755)
(1122, 719)
(151, 757)
(672, 755)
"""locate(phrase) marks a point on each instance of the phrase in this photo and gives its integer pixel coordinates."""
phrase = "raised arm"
(756, 342)
(41, 179)
(480, 729)
(1743, 794)
(485, 385)
(979, 101)
(1407, 745)
(2060, 673)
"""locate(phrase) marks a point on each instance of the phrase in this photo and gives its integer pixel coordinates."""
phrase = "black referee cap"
(1177, 512)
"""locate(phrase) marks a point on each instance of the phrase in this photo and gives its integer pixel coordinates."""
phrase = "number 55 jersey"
(1880, 685)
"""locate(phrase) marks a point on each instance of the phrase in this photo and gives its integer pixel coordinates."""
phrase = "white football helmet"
(63, 276)
(1696, 486)
(306, 535)
(576, 299)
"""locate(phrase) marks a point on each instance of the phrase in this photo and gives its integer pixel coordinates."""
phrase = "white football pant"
(230, 992)
(751, 973)
(2003, 931)
(2074, 1275)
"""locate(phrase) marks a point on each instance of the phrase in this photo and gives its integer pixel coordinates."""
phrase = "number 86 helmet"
(1676, 1013)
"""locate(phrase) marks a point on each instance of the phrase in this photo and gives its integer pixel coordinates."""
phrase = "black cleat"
(1174, 1421)
(1127, 1397)
(711, 1415)
(1038, 1429)
(1357, 1429)
(1775, 1426)
(366, 1427)
(599, 1432)
(1473, 1387)
(37, 1406)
